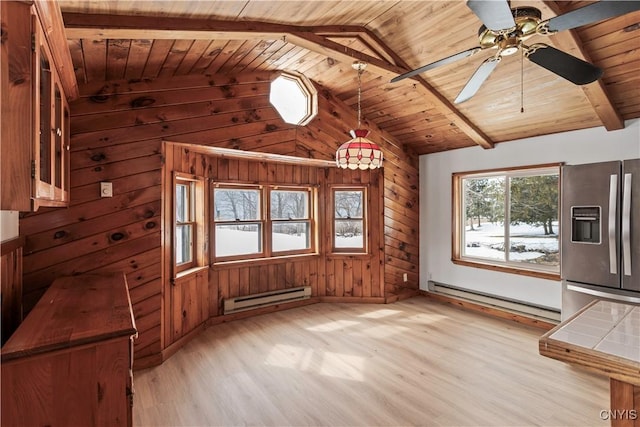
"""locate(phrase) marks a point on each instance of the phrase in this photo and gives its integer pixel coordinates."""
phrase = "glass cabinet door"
(44, 148)
(51, 153)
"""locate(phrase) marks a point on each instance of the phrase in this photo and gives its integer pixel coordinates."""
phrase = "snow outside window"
(189, 228)
(252, 222)
(508, 218)
(290, 221)
(238, 221)
(349, 226)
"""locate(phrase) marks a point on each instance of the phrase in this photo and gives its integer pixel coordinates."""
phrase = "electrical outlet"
(404, 277)
(106, 189)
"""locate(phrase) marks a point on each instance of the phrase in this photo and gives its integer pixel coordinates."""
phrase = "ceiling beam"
(595, 92)
(99, 27)
(441, 102)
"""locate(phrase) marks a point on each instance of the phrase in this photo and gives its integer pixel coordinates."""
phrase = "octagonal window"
(295, 98)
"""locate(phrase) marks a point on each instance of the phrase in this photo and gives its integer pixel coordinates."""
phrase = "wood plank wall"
(117, 133)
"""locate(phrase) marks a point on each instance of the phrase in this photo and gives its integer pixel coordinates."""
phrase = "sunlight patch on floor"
(335, 365)
(290, 356)
(333, 326)
(344, 366)
(424, 318)
(381, 331)
(377, 314)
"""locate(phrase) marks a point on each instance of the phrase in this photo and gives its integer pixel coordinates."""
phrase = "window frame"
(458, 223)
(197, 207)
(258, 221)
(365, 220)
(311, 219)
(265, 222)
(307, 89)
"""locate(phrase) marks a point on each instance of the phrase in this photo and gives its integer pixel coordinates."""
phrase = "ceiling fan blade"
(561, 63)
(594, 12)
(474, 83)
(495, 15)
(439, 63)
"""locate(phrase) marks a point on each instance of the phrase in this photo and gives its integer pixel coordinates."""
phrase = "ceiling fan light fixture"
(359, 152)
(509, 46)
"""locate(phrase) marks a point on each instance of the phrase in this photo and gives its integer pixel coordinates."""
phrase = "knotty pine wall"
(340, 277)
(117, 133)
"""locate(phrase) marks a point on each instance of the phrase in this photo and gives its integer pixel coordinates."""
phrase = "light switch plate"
(106, 189)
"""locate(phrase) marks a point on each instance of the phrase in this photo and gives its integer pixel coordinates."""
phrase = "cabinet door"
(51, 156)
(17, 76)
(60, 135)
(43, 156)
(35, 125)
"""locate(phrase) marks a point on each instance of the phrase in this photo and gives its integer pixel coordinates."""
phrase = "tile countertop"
(604, 336)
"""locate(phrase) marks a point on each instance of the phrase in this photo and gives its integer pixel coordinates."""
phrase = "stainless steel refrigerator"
(600, 233)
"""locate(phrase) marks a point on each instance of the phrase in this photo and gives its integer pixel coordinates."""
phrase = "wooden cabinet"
(35, 115)
(70, 361)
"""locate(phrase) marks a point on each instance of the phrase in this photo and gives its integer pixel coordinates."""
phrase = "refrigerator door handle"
(626, 226)
(613, 202)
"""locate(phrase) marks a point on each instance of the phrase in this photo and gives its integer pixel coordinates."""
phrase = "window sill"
(511, 270)
(353, 255)
(189, 272)
(221, 265)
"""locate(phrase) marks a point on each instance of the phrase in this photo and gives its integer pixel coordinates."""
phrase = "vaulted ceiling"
(114, 40)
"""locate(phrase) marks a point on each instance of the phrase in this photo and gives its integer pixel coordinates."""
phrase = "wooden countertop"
(74, 311)
(604, 336)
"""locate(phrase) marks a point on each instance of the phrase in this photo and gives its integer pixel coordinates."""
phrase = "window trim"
(306, 88)
(311, 219)
(365, 220)
(457, 226)
(258, 221)
(199, 232)
(266, 222)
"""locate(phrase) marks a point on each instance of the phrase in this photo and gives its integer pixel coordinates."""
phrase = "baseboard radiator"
(250, 302)
(502, 303)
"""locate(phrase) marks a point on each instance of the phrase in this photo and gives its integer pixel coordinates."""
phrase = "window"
(290, 220)
(262, 221)
(295, 98)
(238, 221)
(349, 222)
(508, 218)
(188, 227)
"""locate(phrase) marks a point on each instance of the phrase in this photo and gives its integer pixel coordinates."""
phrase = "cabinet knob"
(59, 132)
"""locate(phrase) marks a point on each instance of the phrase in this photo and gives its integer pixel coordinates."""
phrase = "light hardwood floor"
(414, 362)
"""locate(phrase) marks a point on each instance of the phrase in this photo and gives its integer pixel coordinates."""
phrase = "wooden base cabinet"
(70, 361)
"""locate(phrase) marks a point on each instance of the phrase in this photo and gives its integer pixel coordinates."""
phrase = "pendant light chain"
(522, 82)
(359, 152)
(360, 70)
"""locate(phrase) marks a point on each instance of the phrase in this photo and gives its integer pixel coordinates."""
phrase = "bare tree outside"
(512, 217)
(349, 220)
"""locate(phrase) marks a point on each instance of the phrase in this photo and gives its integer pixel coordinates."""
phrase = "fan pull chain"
(522, 82)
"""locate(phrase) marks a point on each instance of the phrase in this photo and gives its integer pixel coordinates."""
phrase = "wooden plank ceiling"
(113, 40)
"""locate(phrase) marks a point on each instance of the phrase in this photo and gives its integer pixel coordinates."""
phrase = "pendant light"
(359, 152)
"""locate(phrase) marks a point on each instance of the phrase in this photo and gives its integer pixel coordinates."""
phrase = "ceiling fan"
(506, 29)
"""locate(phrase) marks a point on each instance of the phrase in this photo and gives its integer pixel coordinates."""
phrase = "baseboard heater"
(503, 303)
(249, 302)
